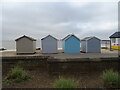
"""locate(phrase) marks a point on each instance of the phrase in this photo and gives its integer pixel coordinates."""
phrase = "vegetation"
(17, 74)
(111, 78)
(65, 83)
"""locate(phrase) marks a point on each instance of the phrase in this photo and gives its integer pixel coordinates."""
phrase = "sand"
(14, 52)
(108, 51)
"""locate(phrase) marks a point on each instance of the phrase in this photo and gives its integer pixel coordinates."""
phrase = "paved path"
(64, 56)
(85, 55)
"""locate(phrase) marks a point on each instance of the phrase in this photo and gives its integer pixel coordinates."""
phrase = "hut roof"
(115, 35)
(88, 38)
(25, 37)
(48, 36)
(68, 36)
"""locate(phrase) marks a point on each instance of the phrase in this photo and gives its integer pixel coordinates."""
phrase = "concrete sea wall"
(52, 65)
(83, 65)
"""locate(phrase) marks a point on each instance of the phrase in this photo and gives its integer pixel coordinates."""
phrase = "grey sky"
(59, 19)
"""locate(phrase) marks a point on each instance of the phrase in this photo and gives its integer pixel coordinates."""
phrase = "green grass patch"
(17, 74)
(110, 78)
(65, 83)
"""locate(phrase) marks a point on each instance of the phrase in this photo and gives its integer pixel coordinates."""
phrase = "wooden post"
(110, 45)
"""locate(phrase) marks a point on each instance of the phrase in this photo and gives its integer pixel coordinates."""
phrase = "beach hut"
(115, 41)
(91, 45)
(49, 44)
(71, 44)
(25, 45)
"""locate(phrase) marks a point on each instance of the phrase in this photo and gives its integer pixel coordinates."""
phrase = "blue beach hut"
(49, 44)
(71, 44)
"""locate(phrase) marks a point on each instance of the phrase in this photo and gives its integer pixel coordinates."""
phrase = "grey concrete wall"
(93, 45)
(86, 65)
(80, 65)
(49, 45)
(25, 45)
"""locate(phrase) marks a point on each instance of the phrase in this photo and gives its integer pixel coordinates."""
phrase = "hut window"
(114, 40)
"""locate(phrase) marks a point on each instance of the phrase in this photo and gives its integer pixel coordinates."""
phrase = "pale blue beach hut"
(71, 44)
(91, 45)
(49, 44)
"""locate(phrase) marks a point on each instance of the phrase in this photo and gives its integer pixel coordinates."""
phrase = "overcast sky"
(38, 19)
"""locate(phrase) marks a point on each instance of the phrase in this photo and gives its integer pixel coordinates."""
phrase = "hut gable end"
(25, 37)
(25, 45)
(71, 44)
(49, 44)
(89, 38)
(69, 36)
(48, 37)
(91, 45)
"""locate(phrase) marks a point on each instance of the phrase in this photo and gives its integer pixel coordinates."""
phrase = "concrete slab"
(85, 55)
(67, 56)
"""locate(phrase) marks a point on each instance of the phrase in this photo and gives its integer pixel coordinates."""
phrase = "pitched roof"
(115, 35)
(88, 38)
(68, 36)
(48, 36)
(25, 37)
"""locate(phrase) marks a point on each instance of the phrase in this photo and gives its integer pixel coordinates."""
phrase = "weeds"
(65, 83)
(17, 74)
(111, 78)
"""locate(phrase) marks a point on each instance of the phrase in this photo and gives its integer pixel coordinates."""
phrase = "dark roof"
(105, 40)
(88, 38)
(26, 37)
(115, 35)
(48, 36)
(70, 36)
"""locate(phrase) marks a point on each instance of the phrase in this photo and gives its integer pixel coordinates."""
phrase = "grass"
(17, 74)
(111, 78)
(65, 83)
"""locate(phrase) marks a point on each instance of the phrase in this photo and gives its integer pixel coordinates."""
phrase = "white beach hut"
(25, 45)
(91, 45)
(49, 44)
(115, 41)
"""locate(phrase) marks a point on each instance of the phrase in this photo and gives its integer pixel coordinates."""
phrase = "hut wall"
(72, 45)
(49, 45)
(24, 45)
(93, 45)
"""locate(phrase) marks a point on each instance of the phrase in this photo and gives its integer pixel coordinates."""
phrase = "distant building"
(71, 44)
(105, 44)
(115, 41)
(25, 45)
(91, 45)
(49, 44)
